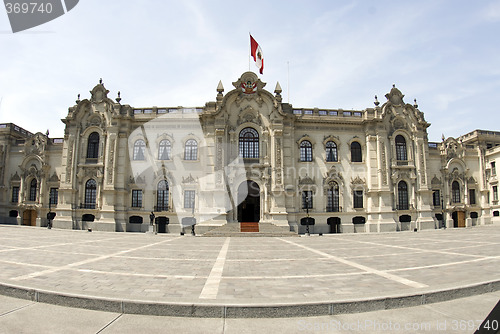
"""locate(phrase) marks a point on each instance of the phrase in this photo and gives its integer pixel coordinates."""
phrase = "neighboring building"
(370, 170)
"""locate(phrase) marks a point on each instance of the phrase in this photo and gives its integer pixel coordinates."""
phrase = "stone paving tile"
(279, 254)
(299, 288)
(397, 261)
(41, 257)
(285, 268)
(455, 274)
(155, 289)
(172, 268)
(144, 266)
(10, 270)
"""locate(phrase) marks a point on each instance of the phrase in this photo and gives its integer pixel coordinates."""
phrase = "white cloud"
(492, 11)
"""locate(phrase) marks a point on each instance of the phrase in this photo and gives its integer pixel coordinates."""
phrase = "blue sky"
(340, 54)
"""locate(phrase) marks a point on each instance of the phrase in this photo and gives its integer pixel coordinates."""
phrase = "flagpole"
(249, 51)
(288, 80)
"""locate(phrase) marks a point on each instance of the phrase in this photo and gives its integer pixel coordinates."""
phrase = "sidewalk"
(456, 316)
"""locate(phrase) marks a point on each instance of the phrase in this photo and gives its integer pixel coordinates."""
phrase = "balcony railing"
(159, 208)
(332, 209)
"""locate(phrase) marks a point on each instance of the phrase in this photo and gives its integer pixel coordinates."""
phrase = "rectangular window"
(137, 198)
(472, 196)
(495, 193)
(15, 194)
(436, 198)
(332, 204)
(307, 199)
(358, 199)
(189, 199)
(54, 195)
(493, 169)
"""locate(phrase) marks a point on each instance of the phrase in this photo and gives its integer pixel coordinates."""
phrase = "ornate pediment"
(435, 180)
(33, 170)
(95, 120)
(15, 178)
(36, 144)
(306, 181)
(99, 93)
(357, 180)
(249, 83)
(249, 115)
(399, 123)
(456, 175)
(54, 178)
(333, 174)
(471, 180)
(330, 138)
(395, 97)
(90, 172)
(189, 179)
(452, 149)
(138, 180)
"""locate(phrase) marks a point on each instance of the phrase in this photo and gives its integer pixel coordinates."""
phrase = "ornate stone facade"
(370, 170)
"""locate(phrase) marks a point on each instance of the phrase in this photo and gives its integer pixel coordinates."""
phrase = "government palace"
(247, 157)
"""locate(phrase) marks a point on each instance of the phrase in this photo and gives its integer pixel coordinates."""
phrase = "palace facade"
(247, 157)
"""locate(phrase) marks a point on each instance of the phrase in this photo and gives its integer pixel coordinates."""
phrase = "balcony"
(160, 208)
(403, 164)
(333, 209)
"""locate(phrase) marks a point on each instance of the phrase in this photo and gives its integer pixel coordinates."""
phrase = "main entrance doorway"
(29, 217)
(249, 208)
(458, 218)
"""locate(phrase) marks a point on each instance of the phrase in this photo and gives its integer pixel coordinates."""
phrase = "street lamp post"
(49, 217)
(307, 212)
(192, 226)
(442, 212)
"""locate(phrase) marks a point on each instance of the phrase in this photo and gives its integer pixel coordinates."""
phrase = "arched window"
(249, 143)
(402, 196)
(164, 150)
(93, 146)
(90, 194)
(401, 154)
(162, 196)
(331, 152)
(191, 150)
(139, 149)
(305, 150)
(455, 192)
(356, 152)
(33, 187)
(332, 204)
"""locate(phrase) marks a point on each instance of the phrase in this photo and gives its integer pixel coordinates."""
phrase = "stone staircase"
(264, 230)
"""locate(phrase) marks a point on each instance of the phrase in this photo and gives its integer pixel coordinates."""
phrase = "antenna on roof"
(288, 80)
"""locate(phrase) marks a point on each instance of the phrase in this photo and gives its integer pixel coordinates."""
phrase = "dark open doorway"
(249, 208)
(162, 223)
(334, 223)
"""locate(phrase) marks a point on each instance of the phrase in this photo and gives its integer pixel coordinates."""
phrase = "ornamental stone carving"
(36, 144)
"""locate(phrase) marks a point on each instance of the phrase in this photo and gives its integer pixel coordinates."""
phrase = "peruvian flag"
(257, 55)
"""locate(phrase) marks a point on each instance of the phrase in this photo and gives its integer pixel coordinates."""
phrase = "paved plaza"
(145, 269)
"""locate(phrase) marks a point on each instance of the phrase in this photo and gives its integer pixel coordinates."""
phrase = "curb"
(270, 310)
